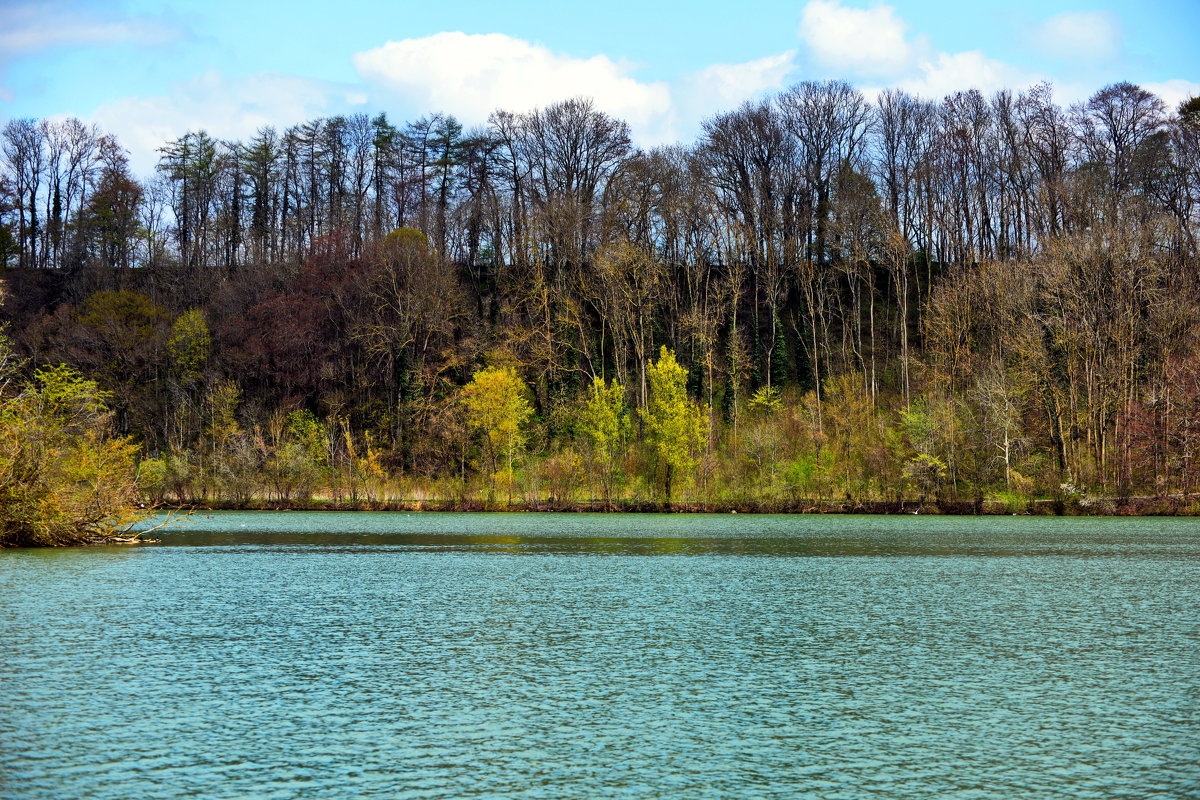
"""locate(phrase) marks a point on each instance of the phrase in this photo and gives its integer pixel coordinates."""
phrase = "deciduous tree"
(497, 407)
(676, 426)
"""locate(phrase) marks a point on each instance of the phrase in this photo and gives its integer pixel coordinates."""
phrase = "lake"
(560, 656)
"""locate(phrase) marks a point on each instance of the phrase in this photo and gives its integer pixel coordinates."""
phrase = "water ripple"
(536, 657)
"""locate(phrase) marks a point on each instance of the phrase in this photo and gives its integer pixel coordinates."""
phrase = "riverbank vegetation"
(823, 300)
(63, 478)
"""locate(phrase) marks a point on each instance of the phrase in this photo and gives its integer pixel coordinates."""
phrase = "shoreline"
(1171, 506)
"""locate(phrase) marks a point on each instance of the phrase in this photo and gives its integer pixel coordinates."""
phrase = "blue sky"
(150, 71)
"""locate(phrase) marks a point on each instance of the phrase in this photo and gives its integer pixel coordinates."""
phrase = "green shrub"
(64, 480)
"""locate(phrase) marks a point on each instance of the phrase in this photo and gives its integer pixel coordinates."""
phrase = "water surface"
(320, 655)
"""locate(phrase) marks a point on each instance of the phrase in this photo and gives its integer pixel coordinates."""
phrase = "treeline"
(905, 298)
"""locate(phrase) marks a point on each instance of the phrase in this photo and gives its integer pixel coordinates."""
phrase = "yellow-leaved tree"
(64, 479)
(605, 422)
(496, 405)
(676, 427)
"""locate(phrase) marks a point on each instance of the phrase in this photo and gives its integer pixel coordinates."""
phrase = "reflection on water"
(578, 656)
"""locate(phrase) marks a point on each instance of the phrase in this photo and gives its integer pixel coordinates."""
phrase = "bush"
(565, 476)
(1010, 502)
(152, 478)
(63, 479)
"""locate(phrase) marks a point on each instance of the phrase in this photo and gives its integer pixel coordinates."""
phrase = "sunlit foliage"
(63, 478)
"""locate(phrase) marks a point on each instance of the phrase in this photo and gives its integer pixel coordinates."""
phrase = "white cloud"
(876, 43)
(436, 74)
(722, 87)
(29, 27)
(1174, 92)
(865, 41)
(728, 85)
(225, 108)
(945, 73)
(1080, 35)
(471, 75)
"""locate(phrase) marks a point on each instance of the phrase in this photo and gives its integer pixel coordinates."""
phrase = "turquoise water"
(302, 655)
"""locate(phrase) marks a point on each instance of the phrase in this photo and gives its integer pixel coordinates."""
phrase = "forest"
(823, 297)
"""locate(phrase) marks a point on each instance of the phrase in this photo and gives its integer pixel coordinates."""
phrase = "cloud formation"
(471, 75)
(1086, 35)
(875, 44)
(468, 76)
(29, 27)
(722, 87)
(1174, 92)
(872, 42)
(227, 108)
(727, 85)
(945, 73)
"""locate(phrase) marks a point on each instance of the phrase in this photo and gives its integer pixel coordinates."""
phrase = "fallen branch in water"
(171, 518)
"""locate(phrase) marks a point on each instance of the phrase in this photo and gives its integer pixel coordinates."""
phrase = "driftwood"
(124, 536)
